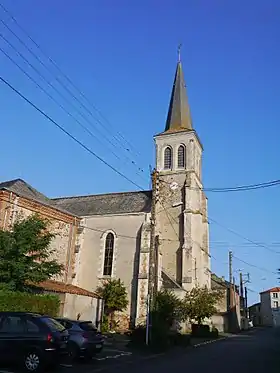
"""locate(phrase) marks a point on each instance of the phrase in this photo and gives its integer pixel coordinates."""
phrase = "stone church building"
(108, 235)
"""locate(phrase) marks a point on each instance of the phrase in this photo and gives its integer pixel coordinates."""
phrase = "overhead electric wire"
(54, 88)
(61, 82)
(219, 189)
(254, 265)
(53, 99)
(240, 188)
(243, 237)
(163, 239)
(68, 133)
(113, 168)
(228, 189)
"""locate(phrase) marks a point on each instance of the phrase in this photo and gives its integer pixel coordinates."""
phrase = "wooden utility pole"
(231, 290)
(241, 285)
(246, 302)
(230, 266)
(153, 275)
(242, 302)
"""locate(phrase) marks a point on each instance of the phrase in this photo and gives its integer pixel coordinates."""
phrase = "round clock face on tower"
(174, 185)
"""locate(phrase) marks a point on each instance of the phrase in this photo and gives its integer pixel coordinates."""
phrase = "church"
(109, 235)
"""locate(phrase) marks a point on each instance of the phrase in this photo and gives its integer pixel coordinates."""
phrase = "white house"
(270, 310)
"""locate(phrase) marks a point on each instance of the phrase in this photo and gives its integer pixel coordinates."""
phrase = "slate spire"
(179, 117)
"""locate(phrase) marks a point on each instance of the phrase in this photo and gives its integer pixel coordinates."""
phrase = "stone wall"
(14, 208)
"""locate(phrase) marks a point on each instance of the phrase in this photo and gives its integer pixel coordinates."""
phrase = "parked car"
(84, 339)
(33, 340)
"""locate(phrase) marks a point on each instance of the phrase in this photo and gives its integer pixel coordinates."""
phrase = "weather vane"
(179, 52)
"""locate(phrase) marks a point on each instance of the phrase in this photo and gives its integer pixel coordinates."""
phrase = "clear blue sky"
(123, 56)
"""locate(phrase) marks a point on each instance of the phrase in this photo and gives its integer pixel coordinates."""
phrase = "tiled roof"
(218, 282)
(60, 287)
(23, 189)
(102, 204)
(98, 204)
(20, 187)
(272, 290)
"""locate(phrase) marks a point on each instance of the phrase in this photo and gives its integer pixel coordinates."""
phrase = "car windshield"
(53, 324)
(87, 326)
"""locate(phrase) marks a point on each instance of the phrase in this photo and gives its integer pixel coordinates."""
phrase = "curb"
(209, 342)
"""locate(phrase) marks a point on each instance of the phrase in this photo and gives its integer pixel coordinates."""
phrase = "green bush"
(27, 302)
(105, 327)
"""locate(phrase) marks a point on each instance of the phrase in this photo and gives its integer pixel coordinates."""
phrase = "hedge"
(28, 302)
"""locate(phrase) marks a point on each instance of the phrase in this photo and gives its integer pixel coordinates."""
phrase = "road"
(255, 352)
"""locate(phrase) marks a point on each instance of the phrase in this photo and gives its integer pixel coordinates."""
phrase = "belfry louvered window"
(181, 157)
(167, 158)
(109, 254)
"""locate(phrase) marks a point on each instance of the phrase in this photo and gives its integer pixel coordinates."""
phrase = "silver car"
(84, 339)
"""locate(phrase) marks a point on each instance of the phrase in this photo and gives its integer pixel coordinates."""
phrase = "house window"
(167, 158)
(108, 255)
(181, 157)
(275, 295)
(275, 304)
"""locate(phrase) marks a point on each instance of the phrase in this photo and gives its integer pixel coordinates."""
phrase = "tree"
(114, 294)
(200, 303)
(168, 307)
(25, 253)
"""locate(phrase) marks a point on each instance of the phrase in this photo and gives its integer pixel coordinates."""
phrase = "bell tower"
(181, 209)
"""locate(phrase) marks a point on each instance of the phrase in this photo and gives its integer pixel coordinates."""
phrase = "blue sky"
(123, 56)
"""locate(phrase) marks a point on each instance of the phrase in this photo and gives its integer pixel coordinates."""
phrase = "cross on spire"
(179, 52)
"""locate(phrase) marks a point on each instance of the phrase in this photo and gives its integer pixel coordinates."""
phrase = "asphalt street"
(257, 351)
(254, 352)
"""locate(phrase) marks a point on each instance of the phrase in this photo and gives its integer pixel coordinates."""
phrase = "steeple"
(179, 117)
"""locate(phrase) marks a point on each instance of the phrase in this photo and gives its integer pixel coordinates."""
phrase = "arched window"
(167, 158)
(181, 157)
(108, 255)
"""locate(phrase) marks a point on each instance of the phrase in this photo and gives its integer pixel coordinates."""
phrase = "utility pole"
(233, 293)
(246, 302)
(241, 285)
(230, 279)
(230, 266)
(153, 275)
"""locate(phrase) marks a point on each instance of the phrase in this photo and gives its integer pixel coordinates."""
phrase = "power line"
(170, 240)
(267, 184)
(254, 266)
(243, 237)
(65, 76)
(68, 133)
(238, 234)
(224, 189)
(240, 188)
(54, 88)
(52, 98)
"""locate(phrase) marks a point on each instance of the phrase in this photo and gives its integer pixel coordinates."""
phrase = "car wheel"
(32, 361)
